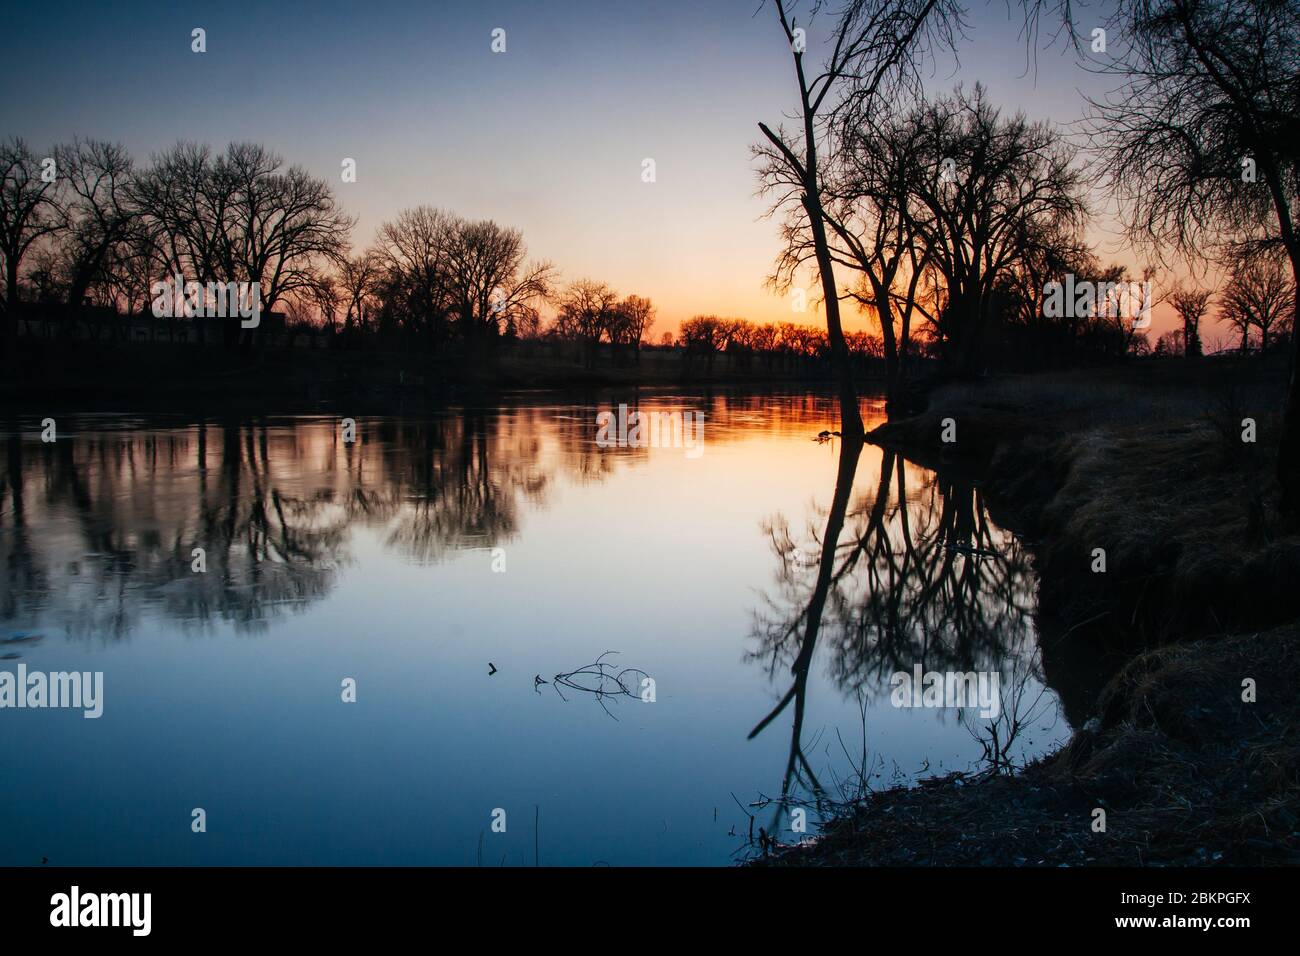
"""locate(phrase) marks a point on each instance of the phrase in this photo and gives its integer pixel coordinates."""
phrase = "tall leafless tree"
(101, 212)
(1260, 294)
(414, 250)
(28, 211)
(489, 281)
(877, 51)
(242, 216)
(285, 224)
(1201, 141)
(988, 188)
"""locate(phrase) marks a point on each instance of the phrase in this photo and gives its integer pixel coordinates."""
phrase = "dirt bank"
(1186, 772)
(1199, 589)
(1145, 469)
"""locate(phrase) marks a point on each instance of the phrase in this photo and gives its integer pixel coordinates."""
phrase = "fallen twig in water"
(600, 679)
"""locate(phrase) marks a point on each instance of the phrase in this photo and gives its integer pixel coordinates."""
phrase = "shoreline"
(117, 375)
(1197, 597)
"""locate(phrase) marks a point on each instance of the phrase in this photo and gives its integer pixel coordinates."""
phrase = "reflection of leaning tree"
(915, 578)
(797, 634)
(929, 580)
(905, 579)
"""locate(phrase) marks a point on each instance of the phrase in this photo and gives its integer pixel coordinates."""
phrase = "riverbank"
(1186, 772)
(134, 376)
(1147, 468)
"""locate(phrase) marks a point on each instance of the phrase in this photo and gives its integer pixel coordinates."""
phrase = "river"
(360, 665)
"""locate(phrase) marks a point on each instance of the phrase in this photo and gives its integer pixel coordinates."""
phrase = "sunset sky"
(548, 137)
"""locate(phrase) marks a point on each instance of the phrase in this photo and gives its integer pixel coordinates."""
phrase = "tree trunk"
(11, 308)
(1191, 339)
(889, 344)
(961, 323)
(1288, 452)
(850, 415)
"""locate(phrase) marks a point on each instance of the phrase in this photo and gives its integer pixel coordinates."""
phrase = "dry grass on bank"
(1153, 470)
(1150, 467)
(1187, 517)
(1186, 771)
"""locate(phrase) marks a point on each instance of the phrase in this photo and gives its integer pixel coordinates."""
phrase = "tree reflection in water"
(102, 524)
(915, 573)
(121, 509)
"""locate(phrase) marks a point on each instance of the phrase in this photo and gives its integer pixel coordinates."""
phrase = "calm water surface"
(378, 561)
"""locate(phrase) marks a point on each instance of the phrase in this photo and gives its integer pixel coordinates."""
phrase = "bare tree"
(127, 275)
(1202, 141)
(866, 199)
(28, 211)
(1260, 294)
(586, 310)
(414, 250)
(703, 334)
(488, 278)
(242, 217)
(1050, 255)
(284, 223)
(101, 211)
(877, 51)
(323, 295)
(633, 318)
(989, 189)
(444, 276)
(896, 260)
(359, 283)
(187, 209)
(1191, 304)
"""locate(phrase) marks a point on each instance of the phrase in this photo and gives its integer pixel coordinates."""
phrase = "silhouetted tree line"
(777, 346)
(83, 226)
(590, 312)
(97, 230)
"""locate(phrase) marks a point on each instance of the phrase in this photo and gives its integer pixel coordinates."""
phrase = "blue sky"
(548, 136)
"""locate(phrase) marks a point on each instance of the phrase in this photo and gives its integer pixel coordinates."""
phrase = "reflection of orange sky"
(274, 503)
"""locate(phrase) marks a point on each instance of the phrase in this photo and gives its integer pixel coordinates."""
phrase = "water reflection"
(121, 511)
(120, 505)
(372, 558)
(914, 573)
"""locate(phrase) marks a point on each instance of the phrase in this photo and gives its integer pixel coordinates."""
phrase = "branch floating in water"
(600, 679)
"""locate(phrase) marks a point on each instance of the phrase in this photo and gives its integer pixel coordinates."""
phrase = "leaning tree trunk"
(850, 415)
